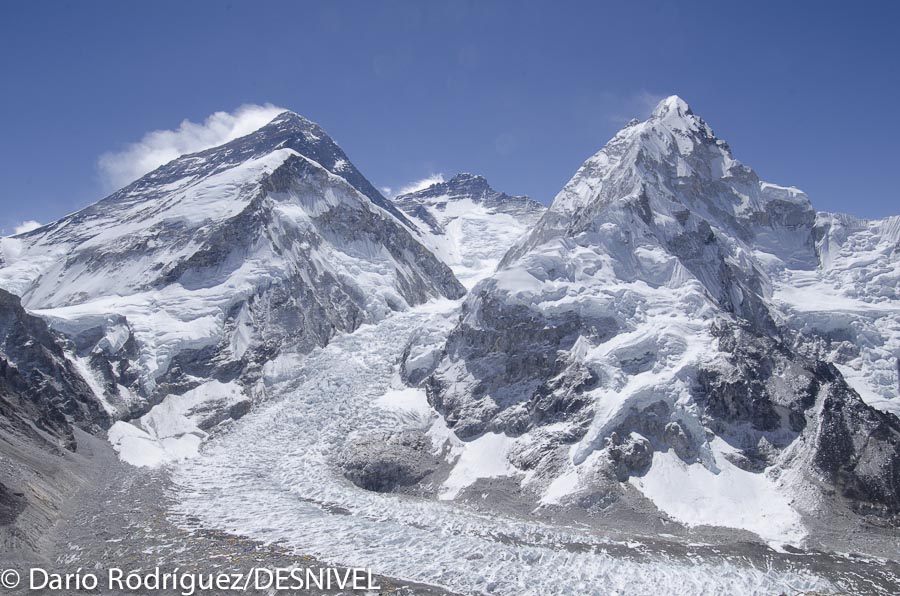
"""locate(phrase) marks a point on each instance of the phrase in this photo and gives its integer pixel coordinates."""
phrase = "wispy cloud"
(26, 226)
(603, 113)
(647, 101)
(414, 185)
(118, 168)
(638, 105)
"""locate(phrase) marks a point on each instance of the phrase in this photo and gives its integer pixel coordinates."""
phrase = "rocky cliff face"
(637, 338)
(43, 401)
(187, 281)
(42, 394)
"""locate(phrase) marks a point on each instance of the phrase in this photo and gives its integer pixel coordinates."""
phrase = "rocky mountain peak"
(290, 118)
(674, 117)
(460, 185)
(287, 131)
(645, 337)
(671, 183)
(293, 131)
(670, 169)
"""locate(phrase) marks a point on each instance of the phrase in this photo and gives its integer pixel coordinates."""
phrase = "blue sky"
(807, 93)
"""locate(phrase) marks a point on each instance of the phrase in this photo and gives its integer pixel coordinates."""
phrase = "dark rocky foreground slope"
(43, 401)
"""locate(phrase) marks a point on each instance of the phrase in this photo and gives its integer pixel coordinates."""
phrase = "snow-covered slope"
(641, 341)
(205, 268)
(468, 224)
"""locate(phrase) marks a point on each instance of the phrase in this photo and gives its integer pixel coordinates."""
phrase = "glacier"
(285, 490)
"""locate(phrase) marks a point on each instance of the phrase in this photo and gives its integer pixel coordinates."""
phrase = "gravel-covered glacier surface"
(272, 478)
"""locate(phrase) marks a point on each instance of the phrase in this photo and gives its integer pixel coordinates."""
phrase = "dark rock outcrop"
(386, 463)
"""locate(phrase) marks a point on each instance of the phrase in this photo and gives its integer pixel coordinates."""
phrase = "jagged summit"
(290, 130)
(464, 181)
(292, 118)
(674, 115)
(468, 181)
(665, 168)
(672, 105)
(463, 176)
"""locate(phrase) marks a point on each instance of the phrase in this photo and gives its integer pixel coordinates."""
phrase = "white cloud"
(118, 168)
(415, 185)
(645, 102)
(11, 248)
(26, 226)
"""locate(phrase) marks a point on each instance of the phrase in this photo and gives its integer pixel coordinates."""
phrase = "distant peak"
(672, 105)
(470, 186)
(462, 183)
(466, 177)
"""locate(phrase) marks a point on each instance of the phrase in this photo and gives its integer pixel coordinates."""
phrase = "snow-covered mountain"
(675, 330)
(468, 224)
(176, 290)
(672, 336)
